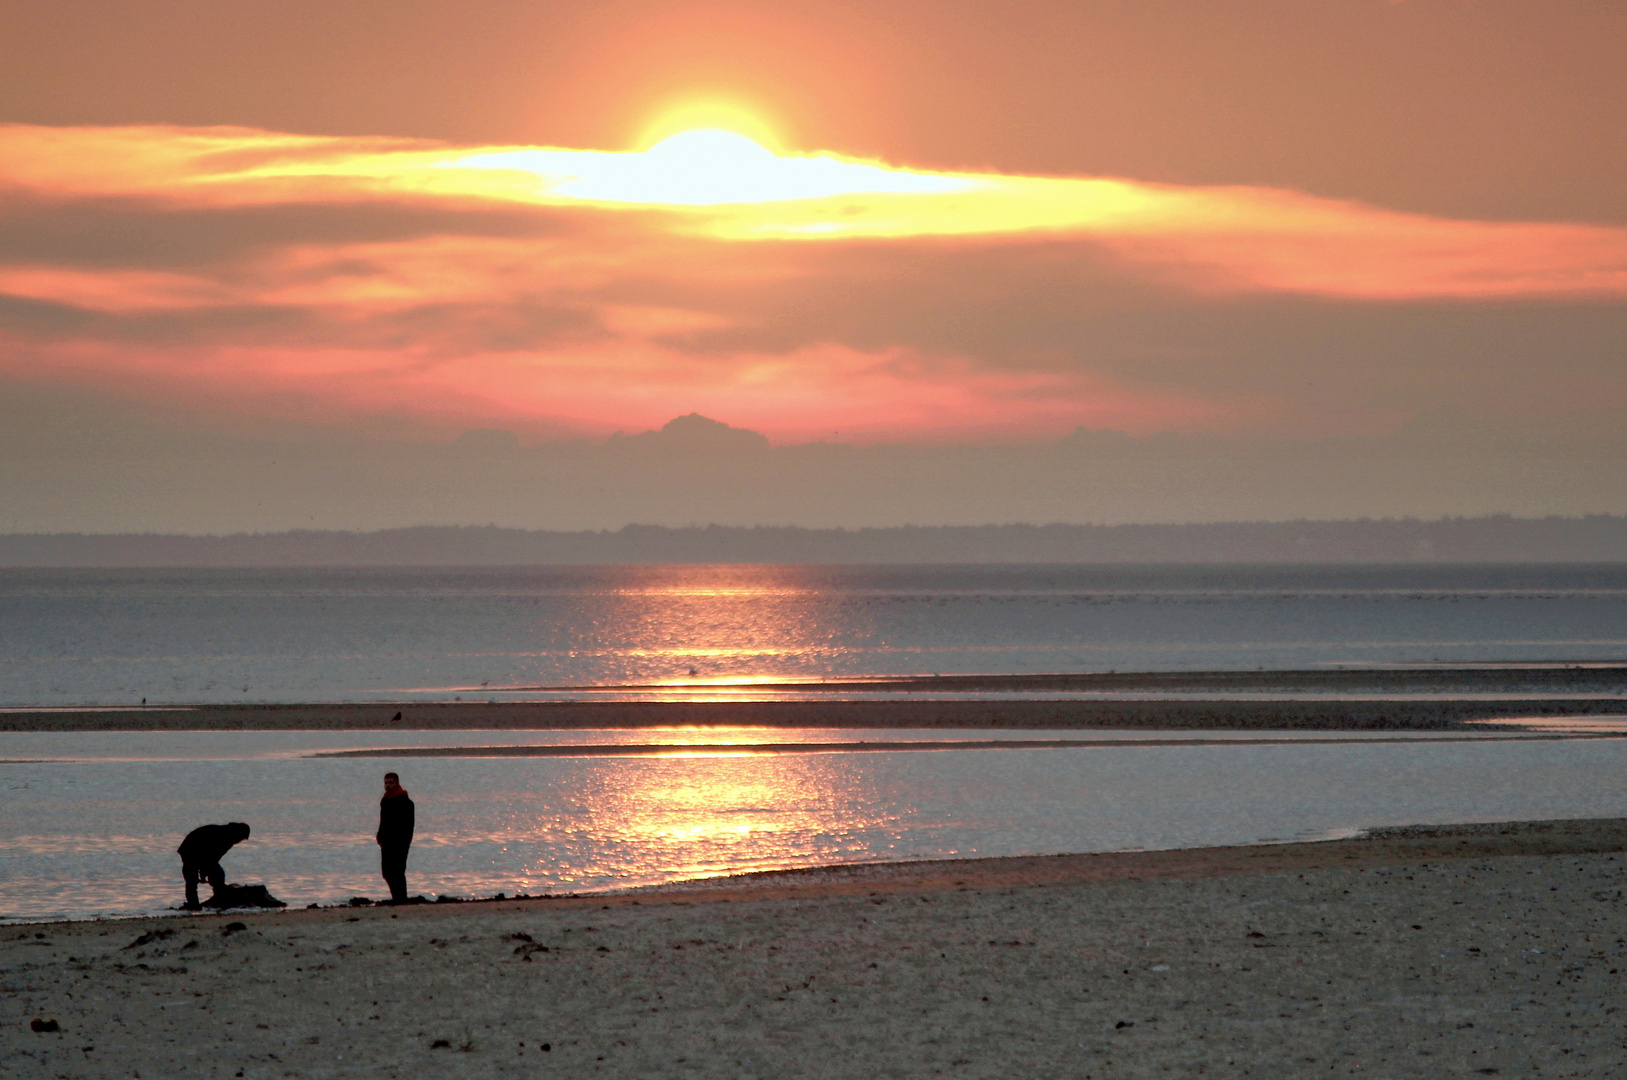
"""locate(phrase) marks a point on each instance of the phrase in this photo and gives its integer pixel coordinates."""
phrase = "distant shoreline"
(1490, 539)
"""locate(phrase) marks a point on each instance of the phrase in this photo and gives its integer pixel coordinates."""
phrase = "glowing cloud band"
(637, 286)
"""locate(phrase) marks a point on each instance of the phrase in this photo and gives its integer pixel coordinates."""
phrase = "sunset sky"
(1135, 260)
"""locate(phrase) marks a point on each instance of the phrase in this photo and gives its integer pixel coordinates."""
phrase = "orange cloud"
(113, 290)
(568, 290)
(724, 186)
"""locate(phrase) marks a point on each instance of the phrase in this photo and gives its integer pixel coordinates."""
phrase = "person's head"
(239, 829)
(392, 784)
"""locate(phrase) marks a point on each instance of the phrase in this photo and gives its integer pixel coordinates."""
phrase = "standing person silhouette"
(395, 836)
(200, 856)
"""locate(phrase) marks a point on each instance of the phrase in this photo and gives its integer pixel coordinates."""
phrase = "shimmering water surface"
(116, 637)
(89, 822)
(93, 830)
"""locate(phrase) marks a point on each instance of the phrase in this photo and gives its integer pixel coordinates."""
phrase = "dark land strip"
(1505, 678)
(1026, 714)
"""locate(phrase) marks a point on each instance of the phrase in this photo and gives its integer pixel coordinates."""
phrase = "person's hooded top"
(396, 814)
(207, 843)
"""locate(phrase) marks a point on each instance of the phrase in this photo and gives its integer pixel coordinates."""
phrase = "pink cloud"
(826, 392)
(502, 303)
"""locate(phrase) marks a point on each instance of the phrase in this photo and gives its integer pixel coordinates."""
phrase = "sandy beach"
(1479, 950)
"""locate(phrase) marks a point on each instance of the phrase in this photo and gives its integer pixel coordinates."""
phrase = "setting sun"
(710, 150)
(710, 113)
(705, 167)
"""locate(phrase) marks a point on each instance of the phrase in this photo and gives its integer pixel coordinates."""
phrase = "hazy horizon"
(1593, 540)
(106, 472)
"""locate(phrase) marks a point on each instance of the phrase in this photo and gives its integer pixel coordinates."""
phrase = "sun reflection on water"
(720, 627)
(680, 816)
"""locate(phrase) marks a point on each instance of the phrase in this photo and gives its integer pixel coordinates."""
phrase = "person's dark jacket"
(396, 814)
(205, 845)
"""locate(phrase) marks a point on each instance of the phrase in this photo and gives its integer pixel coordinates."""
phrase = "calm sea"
(89, 821)
(90, 828)
(115, 637)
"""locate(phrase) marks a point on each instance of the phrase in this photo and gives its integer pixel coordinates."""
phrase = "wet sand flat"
(1026, 714)
(1479, 950)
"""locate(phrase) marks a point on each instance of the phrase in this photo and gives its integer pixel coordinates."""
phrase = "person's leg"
(396, 872)
(216, 876)
(190, 875)
(393, 863)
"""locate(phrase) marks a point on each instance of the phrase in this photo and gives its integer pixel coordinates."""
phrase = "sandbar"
(1398, 698)
(1040, 714)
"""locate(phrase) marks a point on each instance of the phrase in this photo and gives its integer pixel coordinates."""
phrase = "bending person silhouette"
(394, 837)
(200, 856)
